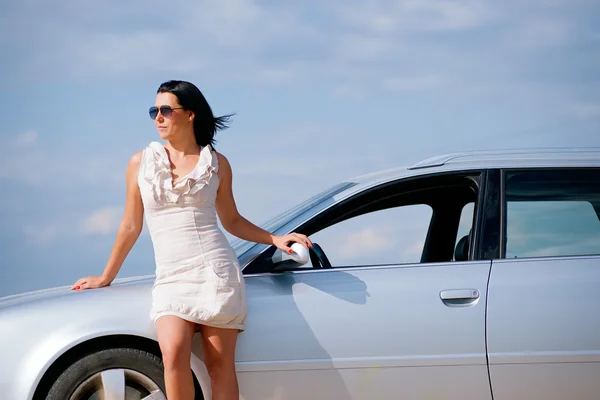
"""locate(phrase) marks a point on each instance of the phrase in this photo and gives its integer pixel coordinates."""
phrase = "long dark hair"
(191, 98)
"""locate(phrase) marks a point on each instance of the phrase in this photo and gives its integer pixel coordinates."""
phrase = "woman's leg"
(219, 356)
(175, 341)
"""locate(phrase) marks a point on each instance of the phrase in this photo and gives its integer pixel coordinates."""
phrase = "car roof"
(484, 159)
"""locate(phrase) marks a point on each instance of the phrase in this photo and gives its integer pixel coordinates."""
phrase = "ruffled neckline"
(156, 170)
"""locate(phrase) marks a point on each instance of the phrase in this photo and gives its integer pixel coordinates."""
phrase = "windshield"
(241, 246)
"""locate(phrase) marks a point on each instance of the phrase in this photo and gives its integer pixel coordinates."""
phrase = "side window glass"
(552, 213)
(397, 227)
(391, 236)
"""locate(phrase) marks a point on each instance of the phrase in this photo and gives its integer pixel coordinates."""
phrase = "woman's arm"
(239, 226)
(128, 232)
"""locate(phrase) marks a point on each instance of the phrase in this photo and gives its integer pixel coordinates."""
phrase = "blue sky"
(323, 91)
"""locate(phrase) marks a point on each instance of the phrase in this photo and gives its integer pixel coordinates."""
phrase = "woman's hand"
(90, 282)
(284, 242)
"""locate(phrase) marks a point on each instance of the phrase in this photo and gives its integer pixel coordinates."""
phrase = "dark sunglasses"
(165, 111)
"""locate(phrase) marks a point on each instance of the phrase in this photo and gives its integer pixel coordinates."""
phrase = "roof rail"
(443, 159)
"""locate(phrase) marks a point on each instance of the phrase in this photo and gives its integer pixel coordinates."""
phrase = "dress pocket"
(226, 272)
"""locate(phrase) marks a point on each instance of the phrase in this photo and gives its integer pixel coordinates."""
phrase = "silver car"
(465, 276)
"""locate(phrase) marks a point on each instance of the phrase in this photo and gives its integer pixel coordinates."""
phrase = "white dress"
(198, 277)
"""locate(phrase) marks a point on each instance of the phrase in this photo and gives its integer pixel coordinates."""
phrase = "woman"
(181, 187)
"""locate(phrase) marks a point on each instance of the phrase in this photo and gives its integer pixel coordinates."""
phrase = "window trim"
(487, 240)
(503, 206)
(485, 263)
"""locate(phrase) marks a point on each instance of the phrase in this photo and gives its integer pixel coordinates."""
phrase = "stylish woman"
(181, 186)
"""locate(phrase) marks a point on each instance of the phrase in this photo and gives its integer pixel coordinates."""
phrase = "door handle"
(459, 297)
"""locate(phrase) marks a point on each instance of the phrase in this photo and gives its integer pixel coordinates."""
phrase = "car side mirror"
(299, 256)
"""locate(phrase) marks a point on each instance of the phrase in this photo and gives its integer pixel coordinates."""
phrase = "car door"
(543, 329)
(400, 315)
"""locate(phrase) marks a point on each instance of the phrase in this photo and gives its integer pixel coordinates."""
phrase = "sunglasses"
(165, 111)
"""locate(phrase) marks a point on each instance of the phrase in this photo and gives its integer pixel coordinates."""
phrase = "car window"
(405, 222)
(390, 236)
(552, 213)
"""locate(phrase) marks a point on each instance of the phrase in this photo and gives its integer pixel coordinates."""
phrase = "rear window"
(552, 213)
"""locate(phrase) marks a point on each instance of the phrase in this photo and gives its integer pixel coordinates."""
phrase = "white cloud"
(348, 91)
(413, 250)
(586, 110)
(120, 54)
(450, 15)
(368, 240)
(40, 167)
(27, 138)
(416, 83)
(362, 47)
(27, 165)
(102, 222)
(543, 32)
(225, 37)
(588, 246)
(236, 39)
(386, 16)
(345, 48)
(41, 235)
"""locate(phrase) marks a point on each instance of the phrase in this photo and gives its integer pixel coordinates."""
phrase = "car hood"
(56, 292)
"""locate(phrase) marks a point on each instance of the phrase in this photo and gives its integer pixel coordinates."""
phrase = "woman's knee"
(218, 365)
(219, 360)
(174, 352)
(174, 339)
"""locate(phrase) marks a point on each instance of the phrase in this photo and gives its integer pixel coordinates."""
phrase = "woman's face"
(172, 126)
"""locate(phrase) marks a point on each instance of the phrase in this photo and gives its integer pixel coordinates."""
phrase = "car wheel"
(119, 374)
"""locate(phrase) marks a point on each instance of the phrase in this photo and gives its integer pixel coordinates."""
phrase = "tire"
(135, 374)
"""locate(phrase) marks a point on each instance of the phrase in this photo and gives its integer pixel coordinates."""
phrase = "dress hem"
(239, 327)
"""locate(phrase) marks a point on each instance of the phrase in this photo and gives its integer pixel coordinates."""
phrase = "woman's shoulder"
(133, 167)
(136, 159)
(222, 160)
